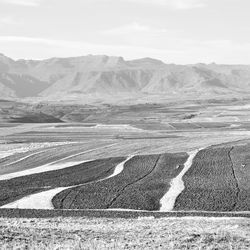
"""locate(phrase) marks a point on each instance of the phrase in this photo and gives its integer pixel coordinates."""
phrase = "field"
(212, 183)
(142, 233)
(134, 188)
(128, 162)
(40, 157)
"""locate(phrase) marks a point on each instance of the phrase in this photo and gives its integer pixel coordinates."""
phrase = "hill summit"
(109, 77)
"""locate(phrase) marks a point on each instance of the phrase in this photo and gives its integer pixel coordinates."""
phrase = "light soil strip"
(32, 146)
(24, 158)
(177, 186)
(50, 166)
(43, 200)
(5, 154)
(84, 152)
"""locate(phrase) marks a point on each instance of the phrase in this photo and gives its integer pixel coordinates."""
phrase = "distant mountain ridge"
(100, 76)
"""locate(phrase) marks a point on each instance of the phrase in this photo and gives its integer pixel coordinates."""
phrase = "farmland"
(120, 162)
(42, 157)
(16, 188)
(134, 188)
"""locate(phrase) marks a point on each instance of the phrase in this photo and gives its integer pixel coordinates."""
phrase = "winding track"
(177, 186)
(43, 200)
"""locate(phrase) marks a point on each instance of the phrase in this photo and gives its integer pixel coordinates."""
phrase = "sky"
(175, 31)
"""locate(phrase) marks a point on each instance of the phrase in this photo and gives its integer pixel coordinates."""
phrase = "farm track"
(43, 200)
(146, 193)
(211, 183)
(99, 195)
(17, 188)
(111, 176)
(140, 186)
(176, 186)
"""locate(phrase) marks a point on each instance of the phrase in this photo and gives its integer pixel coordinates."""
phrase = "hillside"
(113, 78)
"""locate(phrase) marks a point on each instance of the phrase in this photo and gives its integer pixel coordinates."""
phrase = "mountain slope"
(107, 77)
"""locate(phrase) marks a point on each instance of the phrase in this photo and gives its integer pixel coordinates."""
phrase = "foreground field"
(142, 233)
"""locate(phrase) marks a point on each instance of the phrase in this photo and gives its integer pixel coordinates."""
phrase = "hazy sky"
(175, 31)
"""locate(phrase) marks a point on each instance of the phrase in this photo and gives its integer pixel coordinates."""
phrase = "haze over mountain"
(107, 77)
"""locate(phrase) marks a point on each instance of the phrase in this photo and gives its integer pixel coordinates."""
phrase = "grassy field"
(142, 233)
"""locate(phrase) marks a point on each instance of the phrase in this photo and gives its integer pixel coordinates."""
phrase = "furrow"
(130, 184)
(235, 179)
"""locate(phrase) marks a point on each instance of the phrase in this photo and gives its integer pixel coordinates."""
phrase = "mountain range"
(96, 77)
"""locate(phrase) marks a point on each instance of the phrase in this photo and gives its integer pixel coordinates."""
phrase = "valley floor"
(141, 233)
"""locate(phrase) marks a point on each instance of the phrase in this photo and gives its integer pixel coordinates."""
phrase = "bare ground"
(141, 233)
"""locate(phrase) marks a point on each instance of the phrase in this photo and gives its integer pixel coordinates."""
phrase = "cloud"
(66, 48)
(172, 4)
(44, 41)
(132, 28)
(31, 3)
(180, 50)
(5, 20)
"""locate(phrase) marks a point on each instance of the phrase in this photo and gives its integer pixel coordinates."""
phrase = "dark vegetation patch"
(100, 195)
(43, 213)
(185, 126)
(210, 184)
(240, 156)
(8, 125)
(146, 125)
(34, 118)
(213, 124)
(14, 189)
(79, 125)
(188, 117)
(146, 193)
(144, 180)
(143, 137)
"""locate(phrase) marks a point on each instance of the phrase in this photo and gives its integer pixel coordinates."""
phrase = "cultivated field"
(39, 158)
(130, 161)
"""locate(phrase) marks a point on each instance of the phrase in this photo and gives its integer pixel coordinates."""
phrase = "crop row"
(140, 186)
(146, 193)
(44, 156)
(240, 156)
(41, 213)
(14, 189)
(210, 184)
